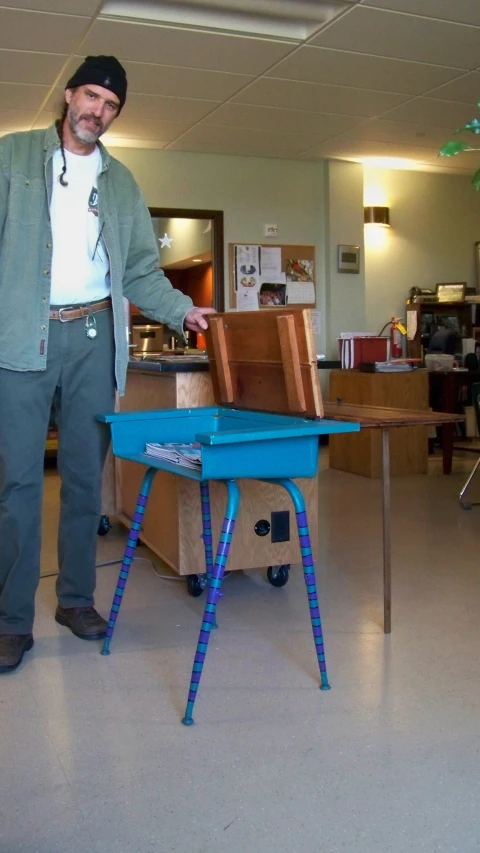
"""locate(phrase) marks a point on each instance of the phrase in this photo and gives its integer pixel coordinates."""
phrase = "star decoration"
(166, 241)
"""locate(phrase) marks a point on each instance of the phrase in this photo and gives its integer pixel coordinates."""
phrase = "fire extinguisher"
(396, 329)
(395, 339)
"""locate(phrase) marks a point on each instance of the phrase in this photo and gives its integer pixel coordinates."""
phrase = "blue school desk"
(238, 443)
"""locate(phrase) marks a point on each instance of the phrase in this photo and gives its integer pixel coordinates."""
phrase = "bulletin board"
(288, 252)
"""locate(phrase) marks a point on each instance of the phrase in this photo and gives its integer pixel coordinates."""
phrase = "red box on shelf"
(358, 348)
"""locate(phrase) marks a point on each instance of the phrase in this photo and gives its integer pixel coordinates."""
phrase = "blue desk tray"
(234, 443)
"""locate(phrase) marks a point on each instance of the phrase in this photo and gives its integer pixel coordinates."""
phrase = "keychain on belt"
(91, 327)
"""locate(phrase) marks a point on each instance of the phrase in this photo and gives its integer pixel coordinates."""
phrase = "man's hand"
(195, 319)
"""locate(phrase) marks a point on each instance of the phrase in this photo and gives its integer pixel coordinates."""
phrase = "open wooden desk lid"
(265, 360)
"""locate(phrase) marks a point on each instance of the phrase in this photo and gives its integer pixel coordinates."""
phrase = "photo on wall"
(272, 295)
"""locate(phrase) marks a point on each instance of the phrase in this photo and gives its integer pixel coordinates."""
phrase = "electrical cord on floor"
(134, 560)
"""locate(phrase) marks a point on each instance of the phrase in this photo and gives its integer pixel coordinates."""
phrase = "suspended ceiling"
(298, 79)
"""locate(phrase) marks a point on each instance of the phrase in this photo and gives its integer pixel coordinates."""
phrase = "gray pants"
(80, 377)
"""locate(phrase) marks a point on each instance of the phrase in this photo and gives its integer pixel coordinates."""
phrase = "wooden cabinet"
(426, 317)
(173, 525)
(361, 453)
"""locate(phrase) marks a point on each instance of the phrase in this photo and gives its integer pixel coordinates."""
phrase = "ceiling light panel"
(294, 20)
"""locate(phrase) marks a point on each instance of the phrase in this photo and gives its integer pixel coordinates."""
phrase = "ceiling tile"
(19, 66)
(390, 77)
(166, 109)
(269, 118)
(277, 144)
(462, 11)
(466, 90)
(113, 142)
(357, 149)
(430, 111)
(183, 47)
(17, 96)
(316, 97)
(234, 149)
(40, 31)
(341, 68)
(43, 119)
(65, 7)
(165, 131)
(380, 130)
(13, 120)
(55, 100)
(183, 82)
(400, 36)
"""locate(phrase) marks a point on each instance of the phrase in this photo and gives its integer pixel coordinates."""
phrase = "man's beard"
(82, 133)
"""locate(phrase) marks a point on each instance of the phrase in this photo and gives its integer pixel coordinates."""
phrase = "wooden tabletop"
(380, 416)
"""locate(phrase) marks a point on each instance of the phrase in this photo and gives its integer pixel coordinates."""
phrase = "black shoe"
(84, 622)
(12, 650)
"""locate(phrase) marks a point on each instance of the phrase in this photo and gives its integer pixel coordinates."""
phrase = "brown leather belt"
(76, 312)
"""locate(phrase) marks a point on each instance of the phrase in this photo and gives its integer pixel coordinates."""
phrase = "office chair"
(476, 406)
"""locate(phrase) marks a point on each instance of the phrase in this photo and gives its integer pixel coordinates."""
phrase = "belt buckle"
(65, 308)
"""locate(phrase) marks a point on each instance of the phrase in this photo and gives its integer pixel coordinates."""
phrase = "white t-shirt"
(80, 267)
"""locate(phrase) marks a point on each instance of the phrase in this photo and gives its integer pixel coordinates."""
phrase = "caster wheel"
(278, 575)
(195, 585)
(465, 505)
(104, 525)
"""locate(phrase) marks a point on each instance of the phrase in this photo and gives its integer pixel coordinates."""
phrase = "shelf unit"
(429, 316)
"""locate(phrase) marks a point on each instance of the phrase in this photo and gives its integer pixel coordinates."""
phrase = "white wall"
(435, 221)
(252, 191)
(345, 292)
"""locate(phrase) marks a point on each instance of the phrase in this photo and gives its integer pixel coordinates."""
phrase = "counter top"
(193, 364)
(181, 364)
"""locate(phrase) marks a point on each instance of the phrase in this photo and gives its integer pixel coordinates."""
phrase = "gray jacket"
(26, 252)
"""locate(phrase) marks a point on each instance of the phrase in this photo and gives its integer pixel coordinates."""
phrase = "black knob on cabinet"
(262, 527)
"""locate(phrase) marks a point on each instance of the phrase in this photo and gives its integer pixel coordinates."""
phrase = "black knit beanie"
(104, 71)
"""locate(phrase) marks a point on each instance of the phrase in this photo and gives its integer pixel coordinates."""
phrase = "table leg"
(213, 590)
(207, 530)
(447, 447)
(207, 527)
(309, 574)
(387, 569)
(132, 540)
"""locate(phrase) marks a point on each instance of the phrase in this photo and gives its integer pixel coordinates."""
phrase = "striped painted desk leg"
(207, 531)
(213, 590)
(128, 555)
(309, 574)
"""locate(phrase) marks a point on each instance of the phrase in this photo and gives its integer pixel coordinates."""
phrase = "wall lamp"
(379, 216)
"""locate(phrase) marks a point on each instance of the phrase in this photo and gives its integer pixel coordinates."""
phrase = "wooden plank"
(291, 363)
(381, 416)
(313, 383)
(383, 394)
(257, 366)
(219, 344)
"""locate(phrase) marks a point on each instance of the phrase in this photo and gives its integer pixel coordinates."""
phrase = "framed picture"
(349, 259)
(451, 291)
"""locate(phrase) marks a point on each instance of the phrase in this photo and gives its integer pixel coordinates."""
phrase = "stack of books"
(188, 455)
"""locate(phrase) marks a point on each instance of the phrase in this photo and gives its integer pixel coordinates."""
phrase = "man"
(75, 238)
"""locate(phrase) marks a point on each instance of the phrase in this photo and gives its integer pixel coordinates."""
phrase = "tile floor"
(93, 758)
